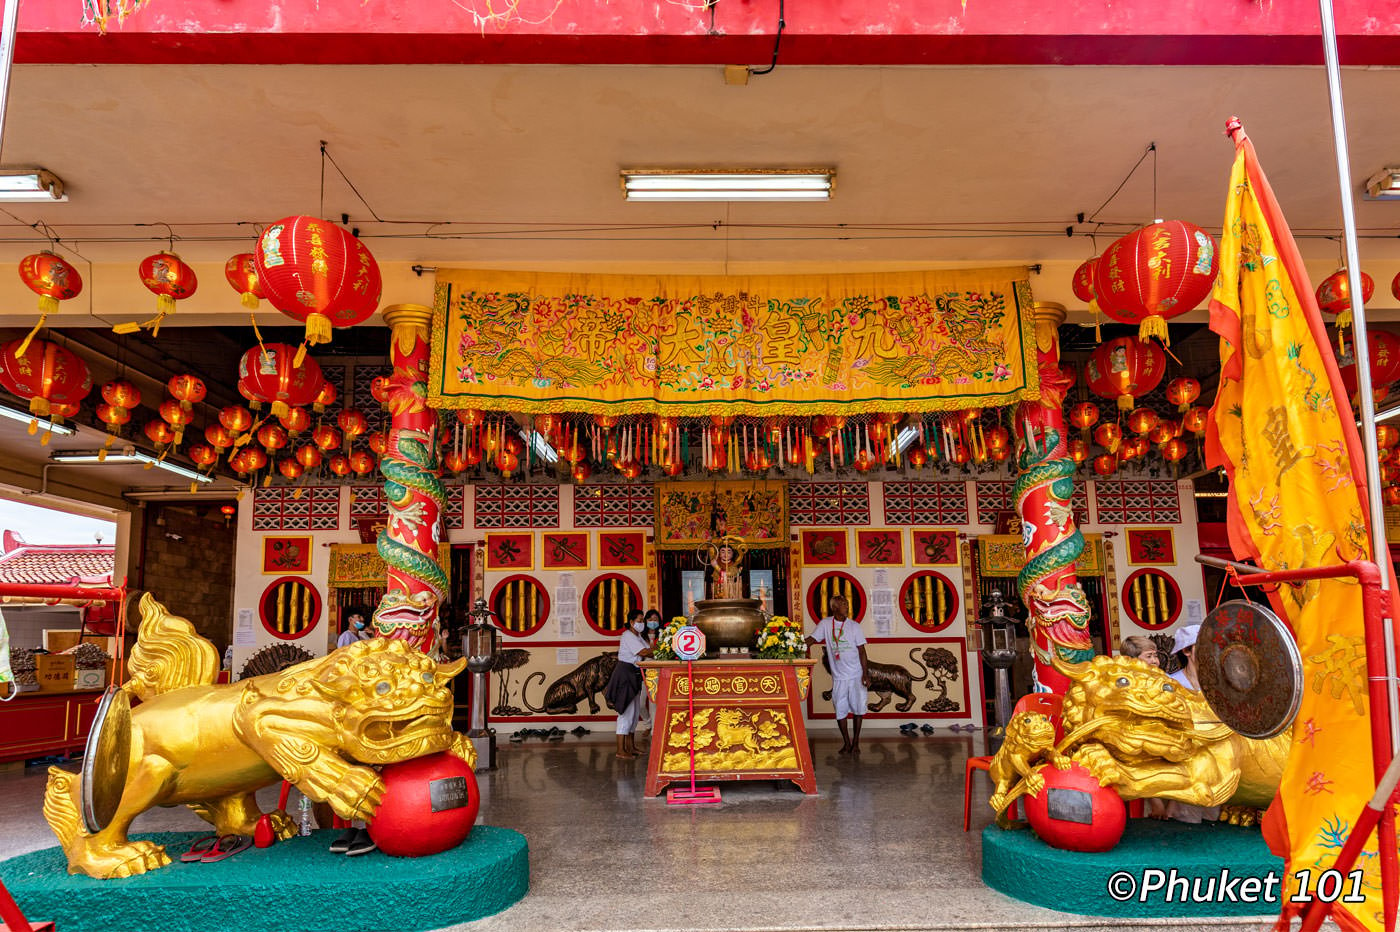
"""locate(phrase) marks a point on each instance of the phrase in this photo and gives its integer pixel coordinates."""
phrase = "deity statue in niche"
(725, 556)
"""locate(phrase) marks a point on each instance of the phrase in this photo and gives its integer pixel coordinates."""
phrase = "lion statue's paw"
(1096, 759)
(1239, 815)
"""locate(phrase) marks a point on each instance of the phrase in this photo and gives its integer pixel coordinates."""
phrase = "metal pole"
(1380, 548)
(7, 60)
(1360, 341)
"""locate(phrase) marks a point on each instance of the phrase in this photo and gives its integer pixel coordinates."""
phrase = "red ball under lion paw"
(1074, 813)
(429, 806)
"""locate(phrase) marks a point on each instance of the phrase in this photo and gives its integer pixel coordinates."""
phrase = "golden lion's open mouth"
(386, 733)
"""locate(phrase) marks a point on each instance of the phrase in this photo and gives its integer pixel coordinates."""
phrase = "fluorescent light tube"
(176, 468)
(63, 430)
(32, 184)
(85, 458)
(698, 185)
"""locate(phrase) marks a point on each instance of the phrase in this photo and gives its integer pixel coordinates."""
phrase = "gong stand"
(1374, 613)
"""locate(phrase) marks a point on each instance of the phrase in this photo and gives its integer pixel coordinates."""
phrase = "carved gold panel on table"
(747, 726)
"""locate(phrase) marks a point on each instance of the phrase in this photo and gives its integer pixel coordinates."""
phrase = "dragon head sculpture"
(412, 618)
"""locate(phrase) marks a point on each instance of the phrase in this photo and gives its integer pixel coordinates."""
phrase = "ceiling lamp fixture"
(1384, 185)
(31, 184)
(779, 184)
(128, 455)
(50, 427)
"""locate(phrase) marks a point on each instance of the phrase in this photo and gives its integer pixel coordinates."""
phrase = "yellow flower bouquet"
(780, 639)
(663, 651)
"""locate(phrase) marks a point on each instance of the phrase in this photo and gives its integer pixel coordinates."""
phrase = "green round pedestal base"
(294, 886)
(1017, 863)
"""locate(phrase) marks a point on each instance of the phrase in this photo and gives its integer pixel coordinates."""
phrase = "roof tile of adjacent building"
(55, 564)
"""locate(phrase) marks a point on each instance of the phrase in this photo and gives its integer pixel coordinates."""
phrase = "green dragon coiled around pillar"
(411, 484)
(1060, 609)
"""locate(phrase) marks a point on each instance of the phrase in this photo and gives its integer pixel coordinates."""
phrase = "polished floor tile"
(879, 847)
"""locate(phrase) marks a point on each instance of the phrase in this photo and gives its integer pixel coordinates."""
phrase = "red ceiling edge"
(426, 49)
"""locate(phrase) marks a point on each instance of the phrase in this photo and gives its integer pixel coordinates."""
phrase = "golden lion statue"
(1141, 732)
(1029, 735)
(316, 725)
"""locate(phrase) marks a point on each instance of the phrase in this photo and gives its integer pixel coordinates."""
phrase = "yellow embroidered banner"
(1283, 431)
(700, 345)
(687, 513)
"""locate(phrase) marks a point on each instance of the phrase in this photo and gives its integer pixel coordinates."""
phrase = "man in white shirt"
(850, 676)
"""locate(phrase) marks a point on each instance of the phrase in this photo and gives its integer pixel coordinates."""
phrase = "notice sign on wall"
(244, 634)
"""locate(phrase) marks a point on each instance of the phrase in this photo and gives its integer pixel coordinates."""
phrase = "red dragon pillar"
(412, 487)
(1058, 609)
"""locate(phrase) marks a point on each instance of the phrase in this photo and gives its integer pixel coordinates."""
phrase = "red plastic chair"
(1050, 704)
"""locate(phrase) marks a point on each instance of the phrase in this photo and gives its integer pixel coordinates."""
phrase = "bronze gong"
(105, 759)
(1249, 668)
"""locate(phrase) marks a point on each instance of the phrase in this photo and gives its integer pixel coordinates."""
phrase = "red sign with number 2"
(688, 643)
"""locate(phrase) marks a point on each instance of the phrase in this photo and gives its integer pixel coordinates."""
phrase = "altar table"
(748, 722)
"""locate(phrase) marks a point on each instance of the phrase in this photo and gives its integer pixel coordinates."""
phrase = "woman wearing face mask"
(624, 690)
(652, 620)
(356, 627)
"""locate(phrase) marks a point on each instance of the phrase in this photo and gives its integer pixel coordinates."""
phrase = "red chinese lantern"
(1163, 432)
(1195, 419)
(454, 461)
(50, 377)
(581, 472)
(379, 441)
(1078, 451)
(1183, 391)
(188, 390)
(290, 469)
(324, 398)
(176, 416)
(1124, 368)
(917, 455)
(218, 437)
(630, 469)
(547, 424)
(241, 271)
(472, 455)
(513, 444)
(236, 419)
(1386, 436)
(1084, 415)
(1000, 455)
(1384, 352)
(1109, 436)
(119, 393)
(1391, 495)
(251, 458)
(308, 455)
(270, 374)
(1105, 464)
(672, 467)
(361, 463)
(272, 437)
(295, 420)
(1160, 271)
(204, 454)
(1083, 286)
(313, 271)
(877, 430)
(471, 417)
(997, 439)
(339, 464)
(1175, 450)
(53, 280)
(1142, 420)
(352, 423)
(1334, 294)
(113, 417)
(326, 437)
(159, 433)
(167, 277)
(507, 462)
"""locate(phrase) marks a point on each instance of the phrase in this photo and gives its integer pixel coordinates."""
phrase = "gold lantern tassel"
(1126, 402)
(250, 301)
(318, 329)
(47, 306)
(1094, 309)
(257, 334)
(280, 409)
(1154, 325)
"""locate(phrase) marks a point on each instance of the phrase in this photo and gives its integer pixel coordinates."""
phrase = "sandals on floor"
(226, 847)
(199, 848)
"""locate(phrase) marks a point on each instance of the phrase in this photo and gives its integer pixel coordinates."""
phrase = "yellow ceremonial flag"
(1284, 432)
